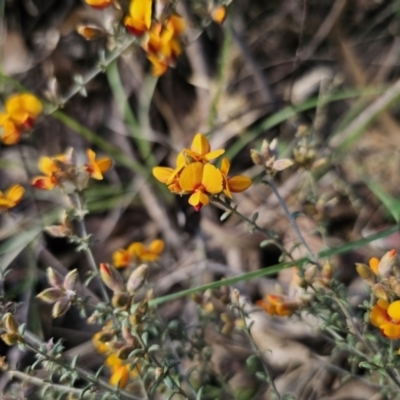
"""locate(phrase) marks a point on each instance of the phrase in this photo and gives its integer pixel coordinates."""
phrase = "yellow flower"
(11, 197)
(138, 251)
(200, 149)
(201, 180)
(218, 14)
(170, 176)
(52, 168)
(234, 184)
(386, 317)
(21, 111)
(101, 347)
(139, 19)
(99, 4)
(96, 168)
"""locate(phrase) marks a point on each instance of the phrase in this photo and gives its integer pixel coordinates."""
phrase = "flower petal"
(23, 106)
(121, 258)
(162, 174)
(374, 265)
(390, 330)
(191, 177)
(225, 166)
(212, 179)
(104, 164)
(44, 182)
(47, 165)
(214, 154)
(239, 183)
(394, 310)
(120, 376)
(136, 249)
(156, 246)
(200, 144)
(15, 193)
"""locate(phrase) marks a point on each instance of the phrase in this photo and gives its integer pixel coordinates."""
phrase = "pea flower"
(99, 4)
(386, 317)
(139, 19)
(11, 197)
(275, 304)
(200, 150)
(96, 168)
(137, 251)
(163, 46)
(234, 184)
(202, 181)
(170, 176)
(21, 111)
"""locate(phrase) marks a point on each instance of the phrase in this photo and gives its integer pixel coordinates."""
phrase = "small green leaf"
(225, 216)
(199, 393)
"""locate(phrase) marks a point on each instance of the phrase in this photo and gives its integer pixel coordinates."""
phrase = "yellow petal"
(44, 182)
(212, 179)
(120, 376)
(176, 23)
(239, 183)
(162, 174)
(157, 246)
(11, 134)
(23, 106)
(198, 198)
(394, 310)
(214, 154)
(15, 193)
(98, 4)
(225, 166)
(200, 144)
(91, 156)
(5, 203)
(112, 361)
(378, 316)
(191, 177)
(47, 165)
(136, 249)
(139, 20)
(218, 14)
(159, 66)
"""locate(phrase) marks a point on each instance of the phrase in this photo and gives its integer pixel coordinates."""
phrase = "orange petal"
(11, 133)
(378, 316)
(157, 246)
(44, 182)
(199, 198)
(239, 183)
(121, 258)
(390, 330)
(160, 66)
(374, 264)
(176, 23)
(136, 249)
(200, 144)
(225, 166)
(15, 193)
(112, 361)
(219, 14)
(212, 179)
(47, 165)
(214, 154)
(191, 177)
(98, 4)
(104, 164)
(120, 376)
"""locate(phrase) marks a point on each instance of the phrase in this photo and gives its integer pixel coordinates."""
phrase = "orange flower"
(52, 168)
(170, 176)
(275, 304)
(139, 19)
(234, 184)
(96, 168)
(386, 317)
(99, 4)
(11, 197)
(200, 150)
(201, 180)
(21, 111)
(138, 251)
(218, 14)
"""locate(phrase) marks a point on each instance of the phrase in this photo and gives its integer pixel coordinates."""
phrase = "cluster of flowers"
(384, 279)
(195, 175)
(161, 39)
(21, 111)
(61, 171)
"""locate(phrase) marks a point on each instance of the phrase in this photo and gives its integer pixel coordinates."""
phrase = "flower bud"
(281, 164)
(227, 328)
(256, 157)
(380, 292)
(121, 300)
(365, 273)
(10, 323)
(111, 278)
(11, 338)
(309, 273)
(327, 272)
(387, 263)
(137, 278)
(142, 308)
(90, 32)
